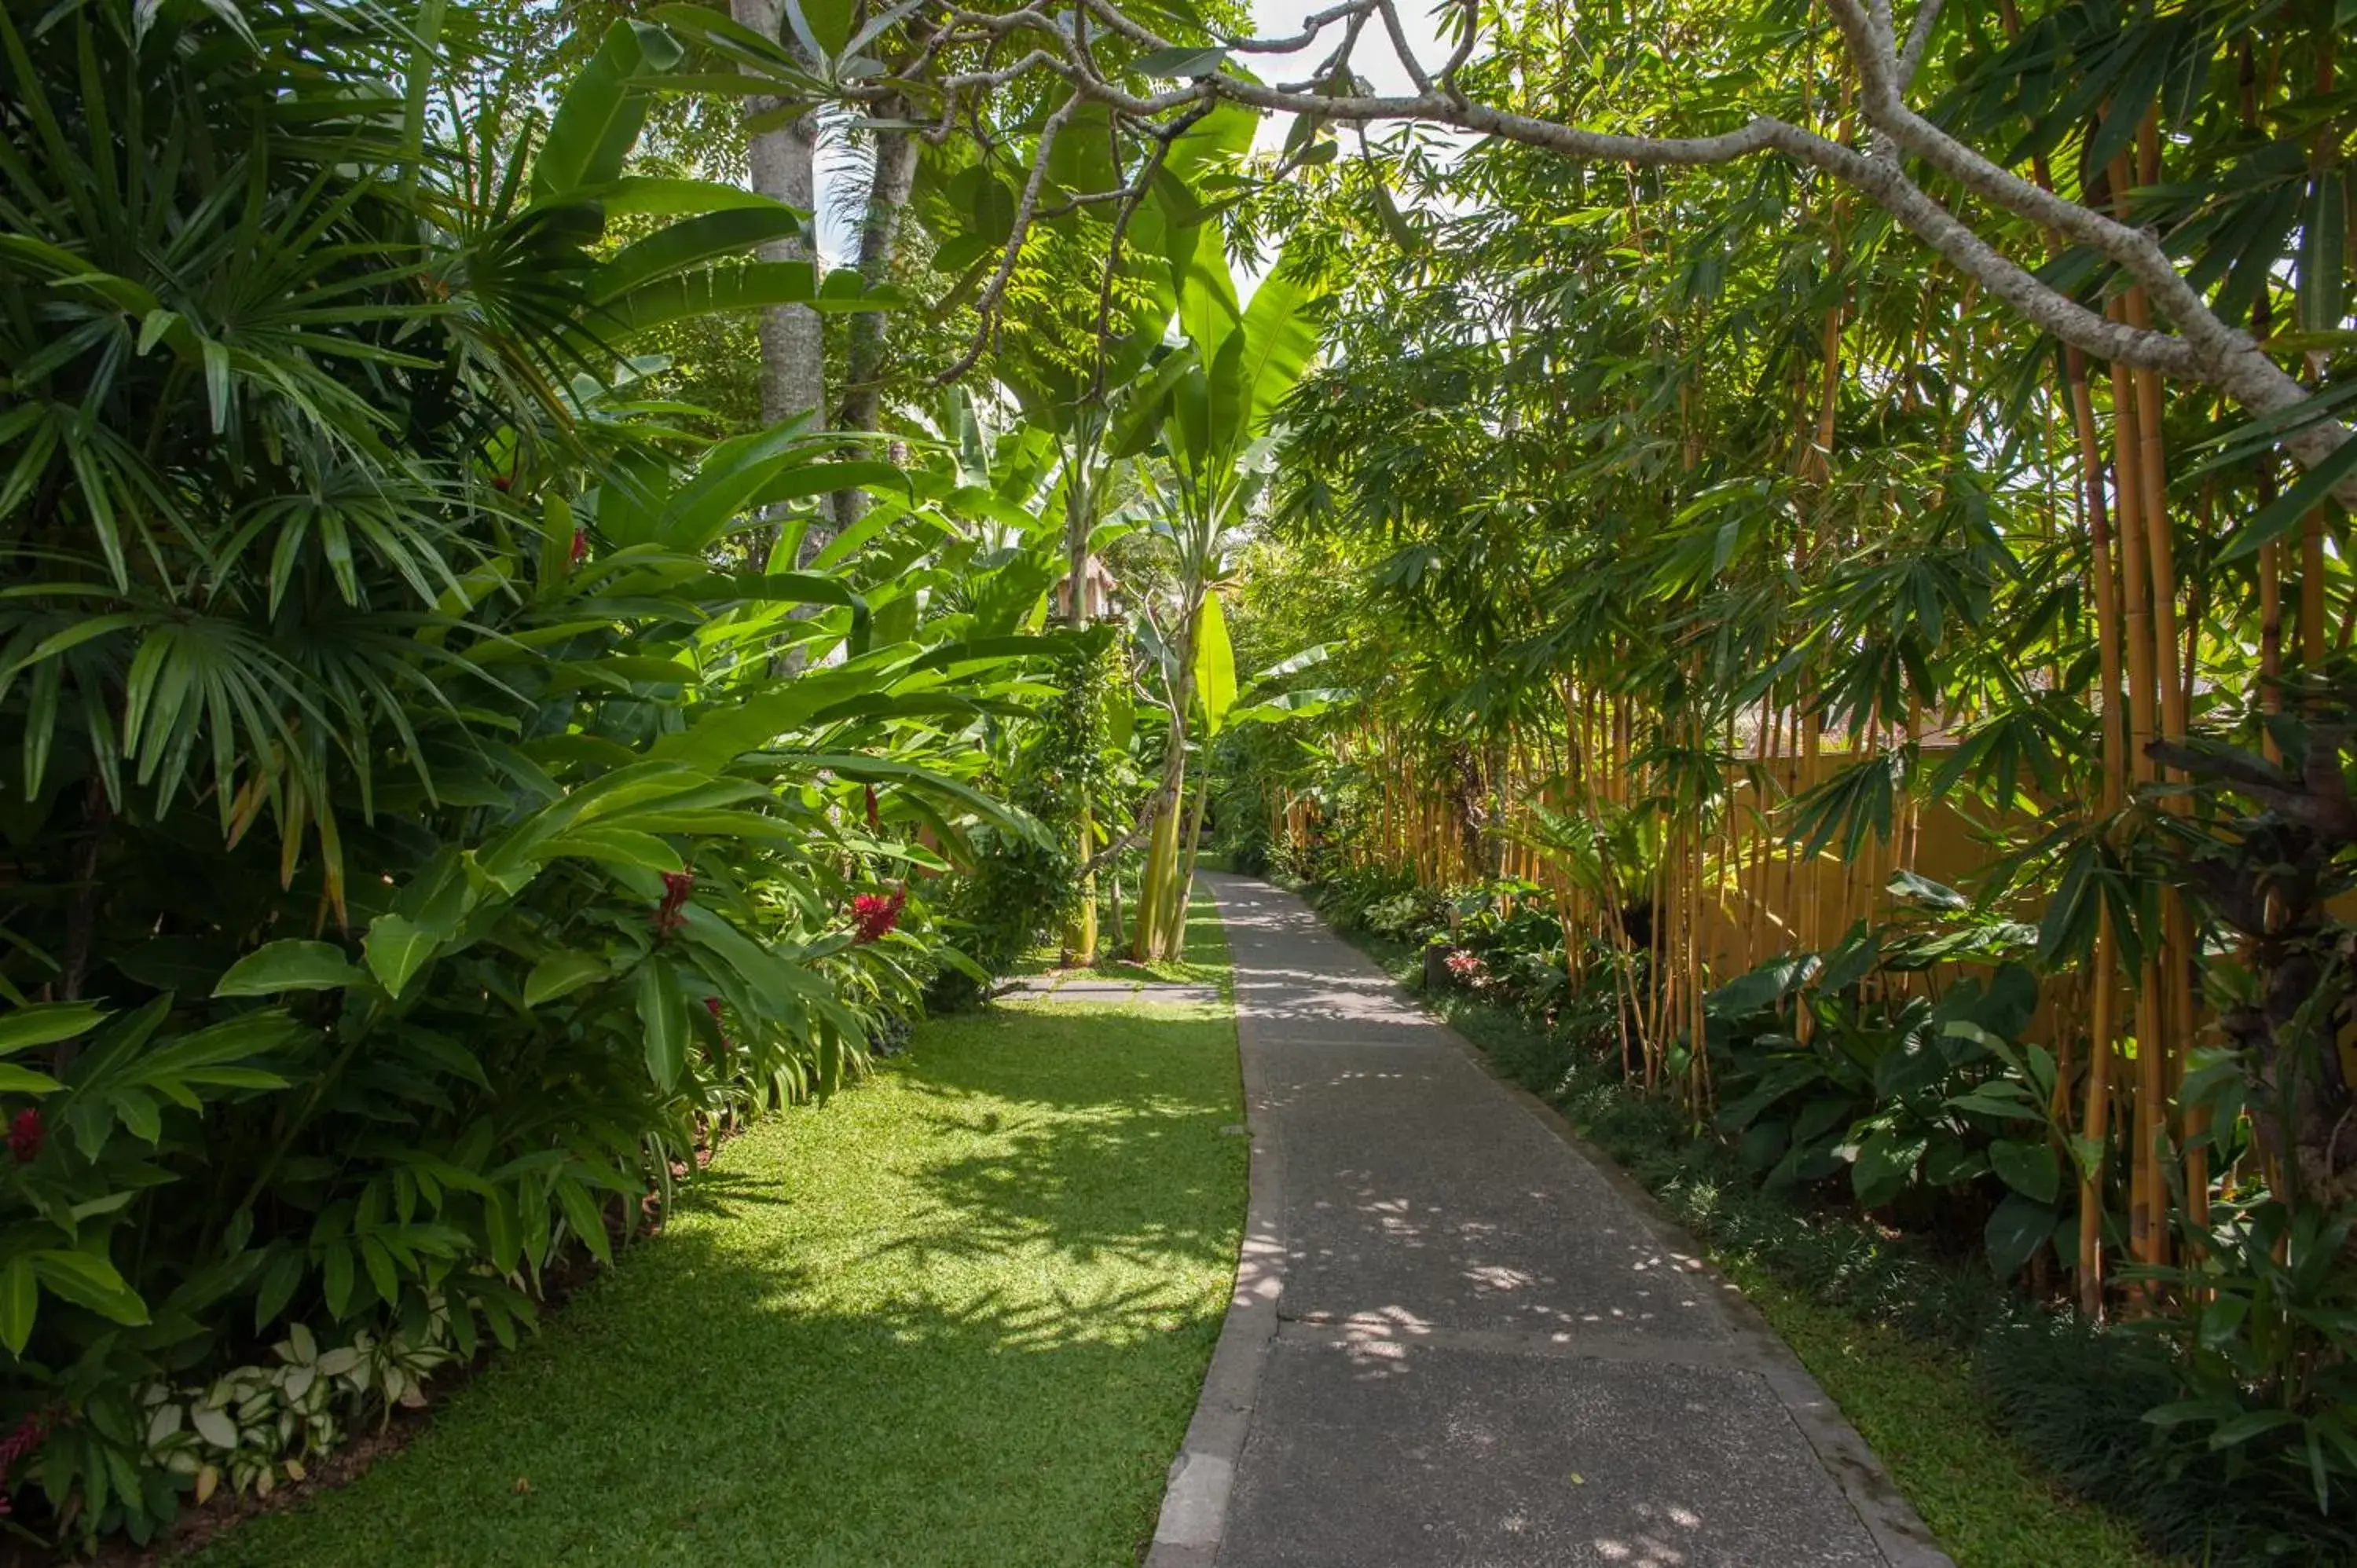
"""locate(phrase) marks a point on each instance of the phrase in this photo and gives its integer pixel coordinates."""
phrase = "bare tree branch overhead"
(1910, 167)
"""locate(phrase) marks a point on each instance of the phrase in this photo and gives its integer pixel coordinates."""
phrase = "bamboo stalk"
(2144, 1185)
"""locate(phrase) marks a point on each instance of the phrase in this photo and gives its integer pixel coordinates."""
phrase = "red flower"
(26, 1134)
(874, 818)
(580, 544)
(15, 1446)
(677, 887)
(873, 916)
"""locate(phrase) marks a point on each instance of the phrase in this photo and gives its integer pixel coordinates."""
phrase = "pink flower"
(677, 888)
(873, 916)
(26, 1134)
(15, 1446)
(1464, 965)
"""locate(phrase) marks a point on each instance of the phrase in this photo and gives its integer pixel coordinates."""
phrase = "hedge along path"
(957, 1314)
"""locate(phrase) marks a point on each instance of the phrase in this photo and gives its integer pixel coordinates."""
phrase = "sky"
(1374, 61)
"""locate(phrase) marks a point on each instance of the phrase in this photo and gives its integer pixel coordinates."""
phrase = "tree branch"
(2201, 347)
(1919, 38)
(1026, 210)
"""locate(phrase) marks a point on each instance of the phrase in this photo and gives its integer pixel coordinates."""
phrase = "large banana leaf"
(599, 118)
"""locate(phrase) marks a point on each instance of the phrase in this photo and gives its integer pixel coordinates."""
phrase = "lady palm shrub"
(413, 850)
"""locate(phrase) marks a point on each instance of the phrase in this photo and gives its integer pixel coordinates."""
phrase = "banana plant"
(1081, 375)
(1207, 416)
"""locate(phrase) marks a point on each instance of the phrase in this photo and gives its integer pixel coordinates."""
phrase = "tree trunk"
(793, 349)
(888, 190)
(1080, 513)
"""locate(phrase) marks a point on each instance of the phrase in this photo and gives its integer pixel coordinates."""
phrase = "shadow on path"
(1485, 1348)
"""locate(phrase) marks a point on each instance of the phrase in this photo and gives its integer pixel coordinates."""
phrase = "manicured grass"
(958, 1315)
(1914, 1400)
(1915, 1404)
(1203, 961)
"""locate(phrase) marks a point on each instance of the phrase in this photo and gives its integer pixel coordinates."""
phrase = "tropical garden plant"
(1811, 559)
(416, 853)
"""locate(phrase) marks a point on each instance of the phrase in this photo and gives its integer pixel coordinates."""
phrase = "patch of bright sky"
(1375, 59)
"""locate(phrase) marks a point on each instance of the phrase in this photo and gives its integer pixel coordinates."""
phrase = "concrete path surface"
(1458, 1339)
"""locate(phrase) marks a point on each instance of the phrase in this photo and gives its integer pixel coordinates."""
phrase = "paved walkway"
(1458, 1339)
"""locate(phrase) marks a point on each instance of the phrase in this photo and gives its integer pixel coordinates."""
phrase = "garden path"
(1458, 1337)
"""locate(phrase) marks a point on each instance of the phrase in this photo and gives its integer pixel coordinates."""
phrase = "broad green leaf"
(215, 1425)
(599, 119)
(14, 1079)
(732, 289)
(666, 197)
(559, 973)
(613, 847)
(1181, 60)
(397, 947)
(671, 249)
(1280, 332)
(2031, 1169)
(45, 1023)
(1885, 1166)
(89, 1280)
(1215, 665)
(20, 1302)
(2013, 1233)
(290, 965)
(663, 1017)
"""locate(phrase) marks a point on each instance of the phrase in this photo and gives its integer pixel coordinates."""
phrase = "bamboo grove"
(1735, 580)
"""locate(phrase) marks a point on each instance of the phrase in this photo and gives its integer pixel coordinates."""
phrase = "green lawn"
(1202, 961)
(959, 1315)
(1914, 1403)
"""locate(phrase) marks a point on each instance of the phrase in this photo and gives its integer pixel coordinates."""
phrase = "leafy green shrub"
(523, 868)
(2082, 1399)
(1023, 884)
(1912, 1099)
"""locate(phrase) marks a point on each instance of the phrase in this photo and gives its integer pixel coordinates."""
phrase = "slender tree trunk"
(793, 349)
(1080, 515)
(888, 187)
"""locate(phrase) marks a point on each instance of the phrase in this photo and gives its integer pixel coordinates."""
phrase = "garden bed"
(959, 1313)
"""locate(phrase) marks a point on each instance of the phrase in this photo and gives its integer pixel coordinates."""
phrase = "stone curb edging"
(1195, 1504)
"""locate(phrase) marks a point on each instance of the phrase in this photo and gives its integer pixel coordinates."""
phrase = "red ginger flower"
(873, 916)
(17, 1445)
(26, 1134)
(580, 544)
(677, 888)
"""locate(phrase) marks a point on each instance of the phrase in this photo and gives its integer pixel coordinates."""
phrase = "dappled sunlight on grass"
(960, 1313)
(1203, 961)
